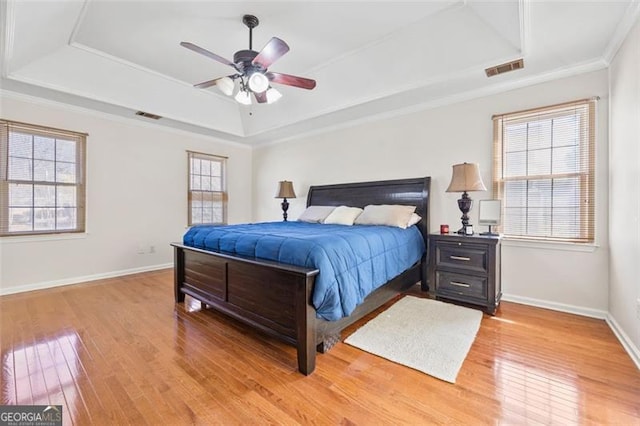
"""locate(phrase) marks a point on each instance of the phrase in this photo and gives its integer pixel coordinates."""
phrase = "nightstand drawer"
(461, 284)
(454, 255)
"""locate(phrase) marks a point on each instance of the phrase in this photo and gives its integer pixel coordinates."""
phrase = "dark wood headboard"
(413, 192)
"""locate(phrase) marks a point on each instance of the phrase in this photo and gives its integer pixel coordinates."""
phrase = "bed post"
(426, 216)
(424, 272)
(305, 326)
(178, 273)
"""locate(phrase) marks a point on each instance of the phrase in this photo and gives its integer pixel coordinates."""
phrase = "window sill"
(41, 238)
(549, 245)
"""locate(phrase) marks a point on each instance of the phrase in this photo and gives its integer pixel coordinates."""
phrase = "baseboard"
(627, 344)
(82, 279)
(555, 306)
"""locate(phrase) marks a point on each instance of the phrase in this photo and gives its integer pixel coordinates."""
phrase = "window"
(207, 190)
(544, 171)
(42, 180)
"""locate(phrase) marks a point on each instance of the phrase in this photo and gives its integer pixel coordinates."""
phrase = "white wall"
(427, 143)
(136, 196)
(624, 187)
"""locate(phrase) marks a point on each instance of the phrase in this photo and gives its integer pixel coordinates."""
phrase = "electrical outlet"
(638, 308)
(152, 249)
(141, 249)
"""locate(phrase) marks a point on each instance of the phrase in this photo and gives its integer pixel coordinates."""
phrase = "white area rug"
(424, 334)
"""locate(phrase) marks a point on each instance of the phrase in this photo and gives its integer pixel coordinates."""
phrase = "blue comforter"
(353, 260)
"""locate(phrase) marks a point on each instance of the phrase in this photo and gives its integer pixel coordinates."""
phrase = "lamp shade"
(258, 82)
(273, 95)
(243, 97)
(466, 177)
(285, 190)
(226, 85)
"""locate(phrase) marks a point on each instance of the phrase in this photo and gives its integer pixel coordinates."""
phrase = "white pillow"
(413, 219)
(343, 215)
(390, 215)
(316, 214)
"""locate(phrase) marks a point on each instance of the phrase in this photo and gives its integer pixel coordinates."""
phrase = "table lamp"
(285, 190)
(465, 177)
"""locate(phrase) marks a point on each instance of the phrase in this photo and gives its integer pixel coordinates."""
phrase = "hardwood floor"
(120, 351)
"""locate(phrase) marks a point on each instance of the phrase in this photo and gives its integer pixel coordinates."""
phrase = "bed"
(275, 297)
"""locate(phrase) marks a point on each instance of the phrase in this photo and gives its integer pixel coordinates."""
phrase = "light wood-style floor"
(120, 351)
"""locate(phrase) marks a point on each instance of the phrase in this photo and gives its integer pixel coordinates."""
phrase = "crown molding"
(524, 9)
(76, 26)
(591, 66)
(256, 140)
(380, 96)
(114, 117)
(113, 102)
(622, 31)
(6, 49)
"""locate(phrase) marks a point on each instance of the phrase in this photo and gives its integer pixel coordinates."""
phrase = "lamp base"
(464, 204)
(285, 207)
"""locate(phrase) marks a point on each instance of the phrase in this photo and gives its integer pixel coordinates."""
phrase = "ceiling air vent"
(148, 115)
(502, 68)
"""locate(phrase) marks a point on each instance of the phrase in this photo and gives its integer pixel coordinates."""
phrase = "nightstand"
(466, 269)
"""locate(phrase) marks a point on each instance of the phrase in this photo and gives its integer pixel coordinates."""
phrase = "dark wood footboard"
(272, 297)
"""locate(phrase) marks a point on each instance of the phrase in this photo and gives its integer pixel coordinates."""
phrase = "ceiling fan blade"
(291, 80)
(206, 53)
(225, 84)
(206, 84)
(271, 52)
(261, 97)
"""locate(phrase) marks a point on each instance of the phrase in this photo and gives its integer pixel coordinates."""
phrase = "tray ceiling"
(369, 58)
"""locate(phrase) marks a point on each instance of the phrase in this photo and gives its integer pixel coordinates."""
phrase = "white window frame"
(197, 191)
(585, 110)
(9, 182)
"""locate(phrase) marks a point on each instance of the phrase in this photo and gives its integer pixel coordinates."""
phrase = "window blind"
(42, 179)
(207, 196)
(544, 171)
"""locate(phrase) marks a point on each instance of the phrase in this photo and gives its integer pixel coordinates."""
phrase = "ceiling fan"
(252, 70)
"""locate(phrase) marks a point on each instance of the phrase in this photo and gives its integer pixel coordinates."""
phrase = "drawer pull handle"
(466, 259)
(457, 284)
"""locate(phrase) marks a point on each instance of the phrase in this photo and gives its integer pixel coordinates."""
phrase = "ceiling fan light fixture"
(226, 85)
(258, 82)
(243, 97)
(273, 95)
(252, 70)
